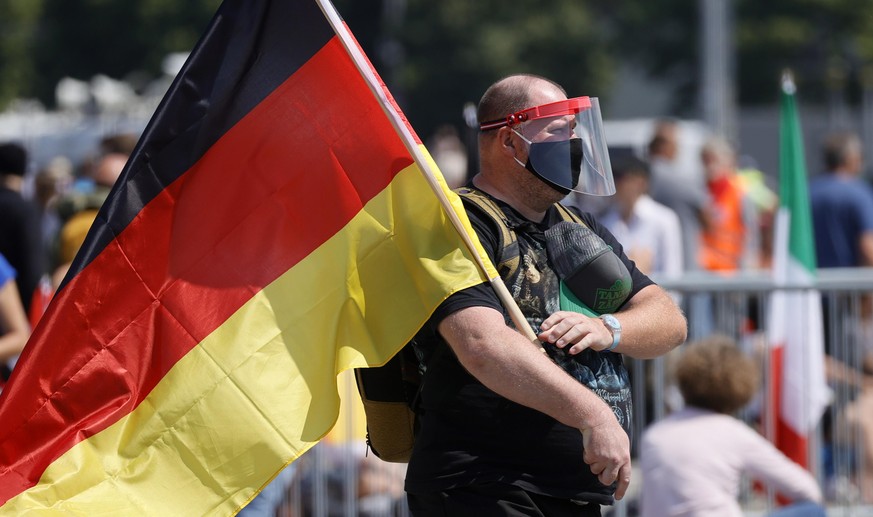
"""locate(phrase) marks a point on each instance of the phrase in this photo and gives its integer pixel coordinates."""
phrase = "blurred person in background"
(852, 437)
(649, 231)
(765, 201)
(450, 155)
(93, 179)
(117, 143)
(842, 218)
(78, 211)
(693, 460)
(14, 328)
(842, 205)
(50, 184)
(730, 240)
(669, 187)
(20, 232)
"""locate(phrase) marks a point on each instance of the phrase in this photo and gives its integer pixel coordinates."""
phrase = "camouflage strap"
(509, 256)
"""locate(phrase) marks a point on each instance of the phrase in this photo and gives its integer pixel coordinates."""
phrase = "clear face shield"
(565, 145)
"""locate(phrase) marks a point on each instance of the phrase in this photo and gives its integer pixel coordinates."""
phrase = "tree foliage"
(437, 56)
(18, 29)
(82, 38)
(827, 43)
(454, 49)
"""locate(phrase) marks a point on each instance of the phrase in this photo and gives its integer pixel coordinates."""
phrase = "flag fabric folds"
(270, 230)
(800, 393)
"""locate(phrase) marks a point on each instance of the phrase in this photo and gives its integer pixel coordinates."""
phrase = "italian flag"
(271, 229)
(799, 391)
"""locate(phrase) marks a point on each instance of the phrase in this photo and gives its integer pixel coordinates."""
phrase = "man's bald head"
(502, 153)
(511, 94)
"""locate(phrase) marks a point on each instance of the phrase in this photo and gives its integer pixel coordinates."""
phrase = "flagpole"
(362, 64)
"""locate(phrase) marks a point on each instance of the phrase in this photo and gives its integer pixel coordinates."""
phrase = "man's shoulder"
(842, 191)
(10, 197)
(480, 295)
(864, 189)
(586, 217)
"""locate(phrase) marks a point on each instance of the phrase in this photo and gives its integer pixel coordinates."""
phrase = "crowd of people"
(42, 228)
(726, 224)
(528, 426)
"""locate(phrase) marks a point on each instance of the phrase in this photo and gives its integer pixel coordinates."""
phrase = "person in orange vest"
(730, 239)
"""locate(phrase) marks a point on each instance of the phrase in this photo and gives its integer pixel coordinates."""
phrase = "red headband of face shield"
(552, 109)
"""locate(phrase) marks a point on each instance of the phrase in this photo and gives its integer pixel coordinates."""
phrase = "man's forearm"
(511, 366)
(652, 324)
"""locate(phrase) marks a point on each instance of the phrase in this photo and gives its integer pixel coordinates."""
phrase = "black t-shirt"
(21, 242)
(469, 434)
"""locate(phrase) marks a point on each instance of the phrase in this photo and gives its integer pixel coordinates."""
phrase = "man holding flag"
(272, 228)
(507, 429)
(259, 242)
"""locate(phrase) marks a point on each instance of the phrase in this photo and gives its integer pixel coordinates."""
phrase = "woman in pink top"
(693, 460)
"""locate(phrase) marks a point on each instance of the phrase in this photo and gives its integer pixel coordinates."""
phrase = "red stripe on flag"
(786, 439)
(286, 178)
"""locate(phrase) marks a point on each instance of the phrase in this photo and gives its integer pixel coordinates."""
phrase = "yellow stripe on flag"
(263, 385)
(351, 425)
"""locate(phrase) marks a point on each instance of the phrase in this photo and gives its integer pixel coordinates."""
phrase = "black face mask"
(557, 163)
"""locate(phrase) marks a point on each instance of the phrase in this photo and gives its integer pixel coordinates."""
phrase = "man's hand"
(565, 328)
(607, 453)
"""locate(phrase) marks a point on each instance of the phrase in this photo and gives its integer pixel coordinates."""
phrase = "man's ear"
(507, 145)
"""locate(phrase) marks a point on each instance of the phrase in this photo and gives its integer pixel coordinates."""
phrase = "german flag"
(270, 230)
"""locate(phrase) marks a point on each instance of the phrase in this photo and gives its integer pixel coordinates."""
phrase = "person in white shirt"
(693, 460)
(649, 231)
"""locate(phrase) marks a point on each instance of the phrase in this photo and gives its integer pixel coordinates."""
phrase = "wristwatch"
(614, 326)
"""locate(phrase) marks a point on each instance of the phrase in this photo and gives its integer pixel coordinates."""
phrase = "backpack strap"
(508, 256)
(569, 215)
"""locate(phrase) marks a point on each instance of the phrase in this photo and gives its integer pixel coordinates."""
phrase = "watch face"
(614, 326)
(611, 320)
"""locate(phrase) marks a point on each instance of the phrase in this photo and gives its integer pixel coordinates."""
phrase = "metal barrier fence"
(339, 479)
